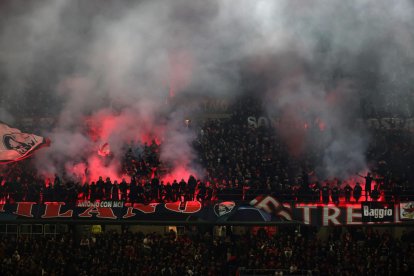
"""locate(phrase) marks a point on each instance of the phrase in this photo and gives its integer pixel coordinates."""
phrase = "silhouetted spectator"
(85, 191)
(100, 188)
(123, 187)
(348, 193)
(335, 195)
(192, 183)
(168, 192)
(325, 194)
(357, 192)
(93, 190)
(175, 190)
(114, 191)
(108, 188)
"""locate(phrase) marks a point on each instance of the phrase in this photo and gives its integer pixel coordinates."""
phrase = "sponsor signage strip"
(377, 212)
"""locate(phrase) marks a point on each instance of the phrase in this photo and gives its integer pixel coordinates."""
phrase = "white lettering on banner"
(118, 204)
(106, 203)
(307, 219)
(271, 206)
(330, 218)
(351, 215)
(251, 122)
(262, 121)
(88, 204)
(377, 213)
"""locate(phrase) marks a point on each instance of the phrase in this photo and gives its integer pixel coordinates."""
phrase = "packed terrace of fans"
(354, 252)
(240, 162)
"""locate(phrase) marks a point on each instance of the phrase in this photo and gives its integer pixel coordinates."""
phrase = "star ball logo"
(223, 208)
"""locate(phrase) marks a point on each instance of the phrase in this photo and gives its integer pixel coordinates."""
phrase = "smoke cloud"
(6, 117)
(129, 68)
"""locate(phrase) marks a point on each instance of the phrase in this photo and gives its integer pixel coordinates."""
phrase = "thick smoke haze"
(6, 117)
(119, 65)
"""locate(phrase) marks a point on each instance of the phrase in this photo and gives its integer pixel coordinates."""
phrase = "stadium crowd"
(355, 252)
(241, 161)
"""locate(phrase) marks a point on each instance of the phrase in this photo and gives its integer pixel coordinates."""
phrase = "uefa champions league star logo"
(222, 208)
(19, 142)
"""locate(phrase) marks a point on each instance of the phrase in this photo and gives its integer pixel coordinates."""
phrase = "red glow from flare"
(78, 171)
(97, 168)
(102, 126)
(178, 174)
(110, 131)
(48, 179)
(104, 150)
(148, 138)
(105, 124)
(352, 182)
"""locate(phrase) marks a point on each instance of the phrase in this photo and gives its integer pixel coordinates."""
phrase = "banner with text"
(261, 209)
(377, 212)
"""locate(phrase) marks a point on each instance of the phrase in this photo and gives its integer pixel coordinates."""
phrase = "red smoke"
(97, 168)
(125, 127)
(78, 171)
(111, 131)
(48, 178)
(352, 180)
(148, 139)
(181, 172)
(104, 150)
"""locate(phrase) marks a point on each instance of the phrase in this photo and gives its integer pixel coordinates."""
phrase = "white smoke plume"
(118, 64)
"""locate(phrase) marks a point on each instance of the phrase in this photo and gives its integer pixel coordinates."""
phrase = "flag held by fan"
(16, 145)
